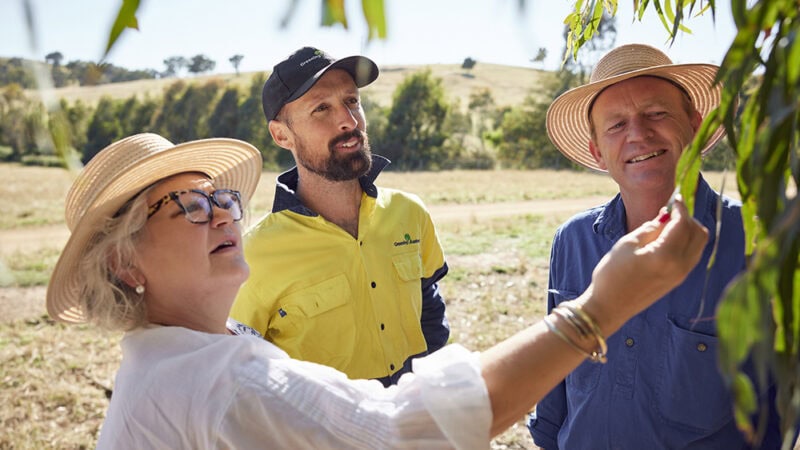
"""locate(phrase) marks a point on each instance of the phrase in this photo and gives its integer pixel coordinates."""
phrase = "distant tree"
(13, 71)
(95, 74)
(174, 65)
(414, 139)
(165, 115)
(224, 120)
(126, 110)
(482, 111)
(144, 114)
(541, 55)
(35, 126)
(376, 117)
(252, 127)
(11, 94)
(103, 129)
(201, 64)
(456, 130)
(115, 74)
(54, 58)
(13, 109)
(521, 140)
(136, 116)
(77, 71)
(468, 63)
(92, 74)
(77, 116)
(191, 112)
(235, 61)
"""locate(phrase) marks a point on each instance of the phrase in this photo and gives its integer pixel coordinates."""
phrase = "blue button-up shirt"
(661, 387)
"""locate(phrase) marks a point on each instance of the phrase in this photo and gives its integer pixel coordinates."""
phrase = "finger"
(648, 231)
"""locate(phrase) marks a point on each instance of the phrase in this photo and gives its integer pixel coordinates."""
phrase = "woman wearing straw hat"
(155, 251)
(664, 390)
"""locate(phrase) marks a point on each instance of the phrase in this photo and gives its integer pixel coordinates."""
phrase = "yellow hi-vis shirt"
(352, 304)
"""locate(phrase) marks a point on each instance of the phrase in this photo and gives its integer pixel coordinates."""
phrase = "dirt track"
(28, 303)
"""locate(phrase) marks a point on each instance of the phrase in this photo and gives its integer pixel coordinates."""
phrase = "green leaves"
(584, 22)
(126, 18)
(333, 12)
(584, 19)
(759, 316)
(375, 17)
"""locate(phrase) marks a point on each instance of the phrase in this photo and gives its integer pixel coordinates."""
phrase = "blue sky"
(420, 32)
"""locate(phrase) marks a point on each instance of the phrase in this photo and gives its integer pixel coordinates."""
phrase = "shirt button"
(629, 342)
(360, 242)
(391, 366)
(382, 327)
(701, 347)
(373, 284)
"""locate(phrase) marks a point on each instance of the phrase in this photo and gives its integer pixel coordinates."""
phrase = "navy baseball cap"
(294, 76)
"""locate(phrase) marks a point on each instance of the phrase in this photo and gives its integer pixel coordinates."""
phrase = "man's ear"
(598, 157)
(695, 119)
(281, 134)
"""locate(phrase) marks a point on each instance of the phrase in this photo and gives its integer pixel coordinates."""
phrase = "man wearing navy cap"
(343, 272)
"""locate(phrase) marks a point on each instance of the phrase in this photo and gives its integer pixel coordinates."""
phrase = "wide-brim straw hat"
(119, 172)
(568, 115)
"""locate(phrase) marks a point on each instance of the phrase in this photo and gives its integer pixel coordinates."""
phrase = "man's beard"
(338, 166)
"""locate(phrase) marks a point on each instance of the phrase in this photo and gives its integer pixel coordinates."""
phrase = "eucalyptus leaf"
(126, 18)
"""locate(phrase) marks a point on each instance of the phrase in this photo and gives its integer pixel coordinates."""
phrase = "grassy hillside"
(509, 84)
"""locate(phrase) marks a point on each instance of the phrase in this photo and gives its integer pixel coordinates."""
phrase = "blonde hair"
(106, 299)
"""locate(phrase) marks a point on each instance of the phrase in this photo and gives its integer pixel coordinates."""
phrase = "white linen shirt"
(179, 388)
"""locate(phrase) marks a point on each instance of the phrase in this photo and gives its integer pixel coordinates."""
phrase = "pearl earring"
(139, 289)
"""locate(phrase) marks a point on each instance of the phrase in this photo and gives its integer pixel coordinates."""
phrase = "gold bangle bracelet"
(601, 341)
(576, 322)
(589, 324)
(593, 356)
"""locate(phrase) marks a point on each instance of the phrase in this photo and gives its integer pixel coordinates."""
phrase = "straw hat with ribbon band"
(568, 115)
(122, 170)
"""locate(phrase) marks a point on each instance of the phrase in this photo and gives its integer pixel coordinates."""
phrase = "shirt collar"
(286, 187)
(611, 220)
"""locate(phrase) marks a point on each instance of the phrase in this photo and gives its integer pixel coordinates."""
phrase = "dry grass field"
(509, 85)
(495, 226)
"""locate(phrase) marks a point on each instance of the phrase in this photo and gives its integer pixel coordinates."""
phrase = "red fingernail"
(664, 217)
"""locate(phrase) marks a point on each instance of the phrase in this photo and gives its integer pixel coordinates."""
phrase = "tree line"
(85, 73)
(419, 130)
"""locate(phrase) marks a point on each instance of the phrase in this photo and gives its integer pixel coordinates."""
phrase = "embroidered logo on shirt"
(406, 241)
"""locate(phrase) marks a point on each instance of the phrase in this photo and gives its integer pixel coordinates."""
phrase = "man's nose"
(347, 118)
(639, 129)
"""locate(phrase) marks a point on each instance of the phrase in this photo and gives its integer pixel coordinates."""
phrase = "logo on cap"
(317, 55)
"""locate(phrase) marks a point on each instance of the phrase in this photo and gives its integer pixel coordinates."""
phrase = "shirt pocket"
(691, 391)
(408, 267)
(586, 376)
(317, 323)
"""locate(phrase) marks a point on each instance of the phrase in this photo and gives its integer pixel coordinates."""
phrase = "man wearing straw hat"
(661, 388)
(343, 273)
